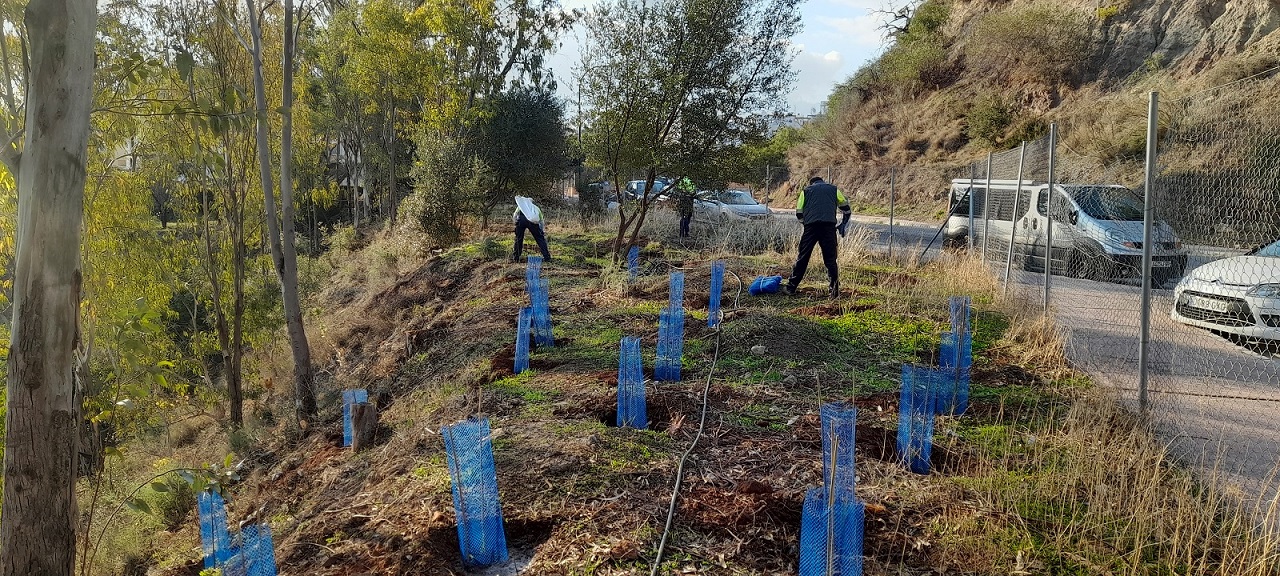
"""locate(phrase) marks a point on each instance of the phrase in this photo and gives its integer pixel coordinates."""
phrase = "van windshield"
(1108, 202)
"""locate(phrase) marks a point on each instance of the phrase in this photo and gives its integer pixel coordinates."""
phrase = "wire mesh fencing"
(832, 519)
(1212, 369)
(1169, 296)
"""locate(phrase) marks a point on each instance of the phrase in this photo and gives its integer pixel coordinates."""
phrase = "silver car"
(1237, 296)
(730, 205)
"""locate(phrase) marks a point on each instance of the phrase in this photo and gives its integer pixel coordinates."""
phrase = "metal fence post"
(1048, 207)
(986, 210)
(1148, 216)
(1013, 219)
(893, 189)
(973, 174)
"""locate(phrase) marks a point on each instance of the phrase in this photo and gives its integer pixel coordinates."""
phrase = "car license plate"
(1161, 263)
(1208, 304)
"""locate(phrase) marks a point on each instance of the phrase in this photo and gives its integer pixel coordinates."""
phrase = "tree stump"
(364, 422)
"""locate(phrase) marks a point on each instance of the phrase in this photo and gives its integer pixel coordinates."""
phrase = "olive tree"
(673, 87)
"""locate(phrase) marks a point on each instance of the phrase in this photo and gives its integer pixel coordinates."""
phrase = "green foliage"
(521, 139)
(669, 82)
(911, 67)
(1108, 12)
(987, 120)
(926, 21)
(1044, 42)
(448, 177)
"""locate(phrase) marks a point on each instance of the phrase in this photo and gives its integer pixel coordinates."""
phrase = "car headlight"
(1264, 291)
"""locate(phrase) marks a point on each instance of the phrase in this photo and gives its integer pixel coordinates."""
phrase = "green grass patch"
(520, 386)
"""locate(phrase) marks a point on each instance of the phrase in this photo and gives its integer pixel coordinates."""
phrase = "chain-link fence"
(1193, 339)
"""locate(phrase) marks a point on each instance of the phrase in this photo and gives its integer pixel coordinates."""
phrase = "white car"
(730, 205)
(1237, 296)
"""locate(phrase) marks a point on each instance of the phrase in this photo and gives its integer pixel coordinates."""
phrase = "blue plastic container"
(717, 286)
(765, 285)
(841, 553)
(631, 399)
(469, 454)
(349, 399)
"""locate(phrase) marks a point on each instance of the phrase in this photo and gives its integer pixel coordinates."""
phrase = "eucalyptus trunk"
(284, 253)
(38, 520)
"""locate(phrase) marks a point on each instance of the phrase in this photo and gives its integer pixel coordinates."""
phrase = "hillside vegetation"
(1044, 474)
(966, 77)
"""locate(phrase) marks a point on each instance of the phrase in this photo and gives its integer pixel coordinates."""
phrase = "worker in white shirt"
(529, 217)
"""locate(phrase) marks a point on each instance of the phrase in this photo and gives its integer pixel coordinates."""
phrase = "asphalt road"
(906, 235)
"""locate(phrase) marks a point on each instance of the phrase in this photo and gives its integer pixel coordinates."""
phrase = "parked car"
(1097, 228)
(1237, 296)
(729, 205)
(634, 190)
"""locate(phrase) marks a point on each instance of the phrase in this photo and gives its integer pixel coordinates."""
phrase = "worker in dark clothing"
(816, 208)
(686, 193)
(529, 217)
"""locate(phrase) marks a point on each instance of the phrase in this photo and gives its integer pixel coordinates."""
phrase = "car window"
(1272, 250)
(737, 198)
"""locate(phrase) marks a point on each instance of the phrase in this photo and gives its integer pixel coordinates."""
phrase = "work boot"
(834, 289)
(789, 289)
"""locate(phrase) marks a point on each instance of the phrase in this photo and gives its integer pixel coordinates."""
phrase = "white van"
(1097, 228)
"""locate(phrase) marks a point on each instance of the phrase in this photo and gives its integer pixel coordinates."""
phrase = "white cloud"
(816, 73)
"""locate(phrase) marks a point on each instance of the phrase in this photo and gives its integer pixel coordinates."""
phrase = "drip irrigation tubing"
(702, 422)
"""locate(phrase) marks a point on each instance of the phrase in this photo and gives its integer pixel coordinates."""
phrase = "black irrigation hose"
(702, 422)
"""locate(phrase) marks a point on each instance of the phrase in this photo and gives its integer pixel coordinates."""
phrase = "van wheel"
(1090, 264)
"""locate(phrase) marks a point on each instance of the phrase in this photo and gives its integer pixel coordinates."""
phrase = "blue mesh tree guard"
(717, 286)
(350, 398)
(532, 272)
(214, 539)
(259, 551)
(541, 297)
(633, 263)
(839, 422)
(255, 554)
(469, 452)
(677, 290)
(666, 367)
(831, 536)
(915, 417)
(960, 316)
(523, 327)
(956, 362)
(631, 402)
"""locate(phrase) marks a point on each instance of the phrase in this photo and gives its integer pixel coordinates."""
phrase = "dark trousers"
(824, 235)
(523, 224)
(684, 225)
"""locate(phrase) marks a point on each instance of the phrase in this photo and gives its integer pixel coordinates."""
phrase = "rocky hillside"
(966, 77)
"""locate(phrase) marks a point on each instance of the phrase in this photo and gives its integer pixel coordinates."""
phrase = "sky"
(838, 37)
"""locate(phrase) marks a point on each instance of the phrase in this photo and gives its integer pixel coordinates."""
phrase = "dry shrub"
(1097, 488)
